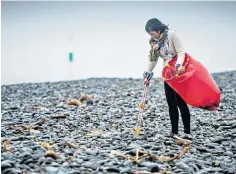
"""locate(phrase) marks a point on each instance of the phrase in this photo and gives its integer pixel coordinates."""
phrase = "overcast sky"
(108, 38)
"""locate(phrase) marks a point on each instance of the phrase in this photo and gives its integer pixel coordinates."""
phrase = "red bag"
(196, 86)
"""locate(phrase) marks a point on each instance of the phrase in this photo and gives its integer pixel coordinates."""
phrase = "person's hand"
(147, 77)
(180, 69)
(155, 47)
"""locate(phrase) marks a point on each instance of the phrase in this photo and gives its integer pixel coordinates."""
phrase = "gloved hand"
(180, 68)
(147, 77)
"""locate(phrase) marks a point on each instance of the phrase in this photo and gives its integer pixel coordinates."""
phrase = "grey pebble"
(182, 166)
(229, 153)
(194, 167)
(91, 164)
(112, 170)
(153, 167)
(126, 170)
(51, 169)
(12, 171)
(202, 149)
(5, 164)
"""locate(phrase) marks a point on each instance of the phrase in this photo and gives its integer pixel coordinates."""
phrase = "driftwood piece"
(141, 155)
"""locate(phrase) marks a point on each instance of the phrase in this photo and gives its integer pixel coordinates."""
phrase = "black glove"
(147, 75)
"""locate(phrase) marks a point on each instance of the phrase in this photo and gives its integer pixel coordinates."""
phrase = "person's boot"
(171, 135)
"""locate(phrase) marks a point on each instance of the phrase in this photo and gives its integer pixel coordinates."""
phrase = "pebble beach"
(87, 126)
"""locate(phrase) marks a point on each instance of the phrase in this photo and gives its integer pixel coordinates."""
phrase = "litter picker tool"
(142, 105)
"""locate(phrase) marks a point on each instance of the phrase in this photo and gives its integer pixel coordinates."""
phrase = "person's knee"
(171, 103)
(182, 105)
(173, 108)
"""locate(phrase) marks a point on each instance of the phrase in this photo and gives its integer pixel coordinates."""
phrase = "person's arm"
(153, 59)
(147, 75)
(179, 48)
(151, 65)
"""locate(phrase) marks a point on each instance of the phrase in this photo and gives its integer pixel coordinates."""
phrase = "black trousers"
(175, 101)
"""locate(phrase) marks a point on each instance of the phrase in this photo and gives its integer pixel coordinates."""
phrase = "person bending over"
(165, 43)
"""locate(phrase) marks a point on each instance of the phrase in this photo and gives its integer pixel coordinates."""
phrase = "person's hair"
(155, 25)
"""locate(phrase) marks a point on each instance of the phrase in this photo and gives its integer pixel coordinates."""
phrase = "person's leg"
(173, 109)
(185, 113)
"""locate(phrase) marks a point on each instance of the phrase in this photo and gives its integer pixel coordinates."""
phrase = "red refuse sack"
(196, 86)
